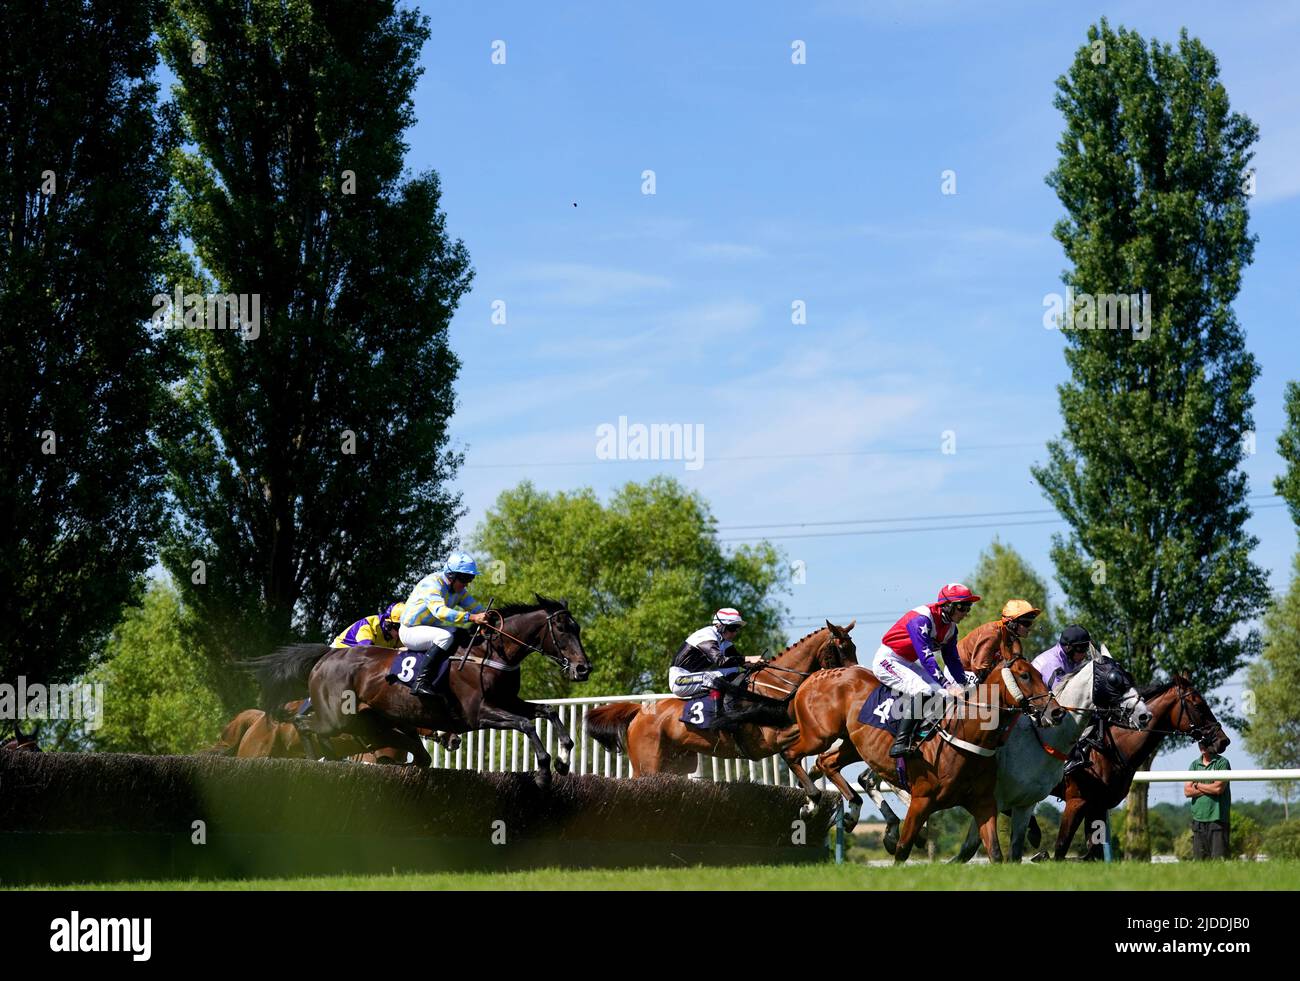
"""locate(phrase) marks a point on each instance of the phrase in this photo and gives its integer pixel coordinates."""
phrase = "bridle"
(555, 656)
(832, 647)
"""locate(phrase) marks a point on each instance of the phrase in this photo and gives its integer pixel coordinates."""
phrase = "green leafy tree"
(158, 693)
(1288, 447)
(1002, 574)
(1272, 730)
(640, 574)
(1147, 470)
(83, 238)
(311, 480)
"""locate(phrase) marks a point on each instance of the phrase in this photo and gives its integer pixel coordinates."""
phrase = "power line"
(872, 521)
(894, 531)
(746, 457)
(916, 517)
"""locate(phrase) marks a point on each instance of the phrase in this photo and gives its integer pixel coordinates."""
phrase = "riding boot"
(423, 687)
(1079, 757)
(905, 741)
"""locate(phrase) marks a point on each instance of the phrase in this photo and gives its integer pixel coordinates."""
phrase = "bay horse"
(1092, 790)
(656, 740)
(22, 742)
(1033, 760)
(955, 768)
(351, 693)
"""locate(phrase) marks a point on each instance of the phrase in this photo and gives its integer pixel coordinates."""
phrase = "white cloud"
(726, 250)
(582, 284)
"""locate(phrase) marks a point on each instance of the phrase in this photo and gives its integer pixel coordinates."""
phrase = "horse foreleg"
(1019, 822)
(1070, 819)
(495, 717)
(986, 816)
(793, 754)
(1035, 833)
(968, 847)
(565, 748)
(813, 804)
(832, 769)
(917, 814)
(831, 763)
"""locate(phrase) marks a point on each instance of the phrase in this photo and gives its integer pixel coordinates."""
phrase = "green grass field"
(1210, 877)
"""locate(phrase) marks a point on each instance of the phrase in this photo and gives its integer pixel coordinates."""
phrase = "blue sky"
(818, 182)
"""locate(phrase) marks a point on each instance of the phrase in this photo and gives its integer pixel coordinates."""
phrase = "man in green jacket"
(1211, 807)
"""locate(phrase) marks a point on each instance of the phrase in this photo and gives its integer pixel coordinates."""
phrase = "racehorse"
(958, 768)
(1033, 759)
(1090, 791)
(656, 740)
(252, 734)
(351, 693)
(22, 742)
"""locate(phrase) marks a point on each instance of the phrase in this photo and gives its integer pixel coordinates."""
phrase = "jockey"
(379, 630)
(1016, 620)
(918, 656)
(707, 659)
(707, 656)
(439, 606)
(1066, 657)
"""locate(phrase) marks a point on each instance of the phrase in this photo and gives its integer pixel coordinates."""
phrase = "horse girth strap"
(963, 744)
(487, 662)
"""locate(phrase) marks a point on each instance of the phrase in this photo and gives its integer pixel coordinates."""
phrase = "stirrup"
(902, 747)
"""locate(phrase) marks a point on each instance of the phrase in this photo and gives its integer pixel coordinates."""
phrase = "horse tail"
(282, 675)
(607, 724)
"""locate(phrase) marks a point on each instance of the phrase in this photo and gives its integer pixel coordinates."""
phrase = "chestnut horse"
(252, 734)
(956, 768)
(1092, 790)
(351, 693)
(656, 740)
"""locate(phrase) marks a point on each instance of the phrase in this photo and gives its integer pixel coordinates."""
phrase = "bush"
(1246, 838)
(1183, 846)
(1283, 840)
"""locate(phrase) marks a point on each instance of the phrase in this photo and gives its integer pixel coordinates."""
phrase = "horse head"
(839, 649)
(1114, 690)
(1022, 687)
(1193, 716)
(562, 638)
(23, 741)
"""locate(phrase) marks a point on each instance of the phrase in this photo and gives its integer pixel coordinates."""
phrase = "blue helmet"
(462, 563)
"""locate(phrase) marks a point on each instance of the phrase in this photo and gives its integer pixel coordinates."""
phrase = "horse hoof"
(891, 840)
(1040, 857)
(543, 779)
(453, 743)
(562, 767)
(809, 809)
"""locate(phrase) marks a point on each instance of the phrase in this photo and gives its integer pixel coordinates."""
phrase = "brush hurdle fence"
(505, 752)
(492, 751)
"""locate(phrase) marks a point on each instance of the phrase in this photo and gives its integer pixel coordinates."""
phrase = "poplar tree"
(1153, 175)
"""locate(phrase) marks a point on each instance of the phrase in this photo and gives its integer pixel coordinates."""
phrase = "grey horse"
(1027, 771)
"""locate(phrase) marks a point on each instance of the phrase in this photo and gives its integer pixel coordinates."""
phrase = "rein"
(558, 659)
(832, 647)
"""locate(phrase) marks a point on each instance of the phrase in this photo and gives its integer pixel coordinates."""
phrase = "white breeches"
(907, 677)
(426, 638)
(688, 684)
